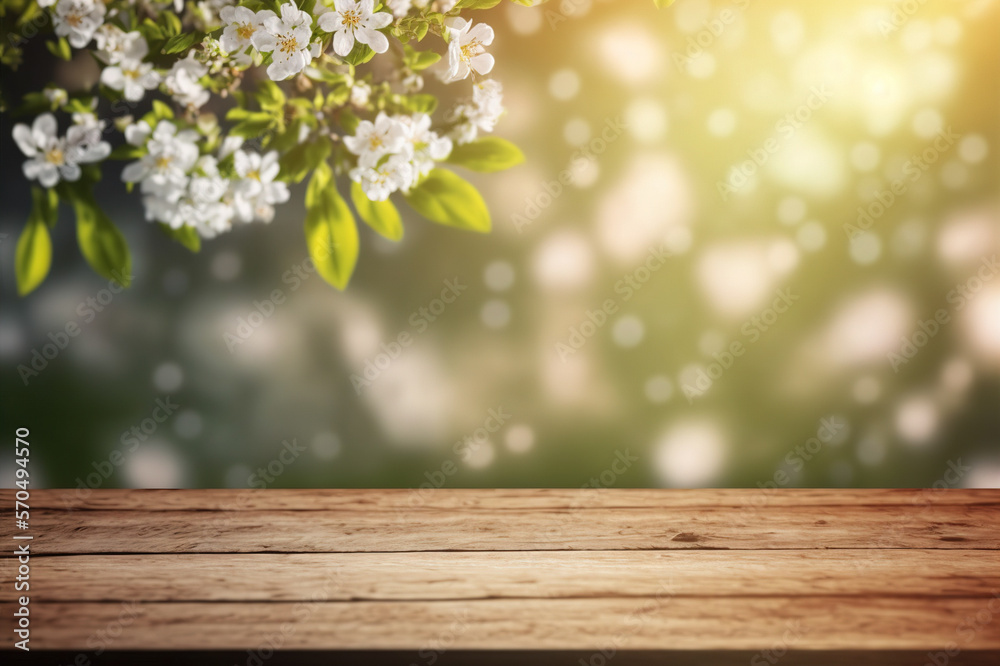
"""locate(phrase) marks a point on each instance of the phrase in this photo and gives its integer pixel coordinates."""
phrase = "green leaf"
(101, 243)
(45, 205)
(447, 199)
(170, 23)
(303, 158)
(477, 4)
(127, 151)
(33, 257)
(419, 103)
(186, 236)
(151, 31)
(60, 48)
(161, 111)
(381, 216)
(487, 155)
(182, 41)
(349, 121)
(331, 234)
(359, 55)
(269, 96)
(419, 60)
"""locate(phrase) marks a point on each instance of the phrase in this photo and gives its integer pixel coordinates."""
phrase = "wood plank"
(455, 575)
(491, 500)
(522, 658)
(935, 526)
(679, 623)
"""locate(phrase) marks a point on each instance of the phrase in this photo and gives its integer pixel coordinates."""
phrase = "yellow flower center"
(374, 141)
(55, 156)
(288, 44)
(131, 73)
(351, 19)
(245, 30)
(471, 49)
(74, 19)
(162, 162)
(255, 175)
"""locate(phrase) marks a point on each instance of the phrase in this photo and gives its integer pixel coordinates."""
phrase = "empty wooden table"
(598, 572)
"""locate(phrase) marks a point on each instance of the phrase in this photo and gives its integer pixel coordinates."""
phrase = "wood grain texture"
(449, 576)
(705, 570)
(946, 526)
(495, 499)
(723, 623)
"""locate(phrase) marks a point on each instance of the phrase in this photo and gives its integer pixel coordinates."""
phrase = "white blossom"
(360, 92)
(78, 20)
(182, 82)
(378, 182)
(115, 45)
(400, 8)
(424, 147)
(163, 170)
(287, 39)
(89, 120)
(467, 49)
(137, 133)
(481, 114)
(413, 83)
(56, 96)
(230, 145)
(131, 77)
(258, 191)
(52, 158)
(241, 25)
(373, 140)
(353, 20)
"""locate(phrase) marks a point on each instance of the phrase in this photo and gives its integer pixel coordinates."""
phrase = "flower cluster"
(395, 153)
(198, 63)
(182, 188)
(52, 158)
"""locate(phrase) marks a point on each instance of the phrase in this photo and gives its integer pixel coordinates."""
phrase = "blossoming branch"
(199, 177)
(298, 101)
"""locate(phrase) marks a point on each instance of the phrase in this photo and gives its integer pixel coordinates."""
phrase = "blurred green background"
(650, 112)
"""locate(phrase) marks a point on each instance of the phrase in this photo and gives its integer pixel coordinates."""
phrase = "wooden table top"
(591, 570)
